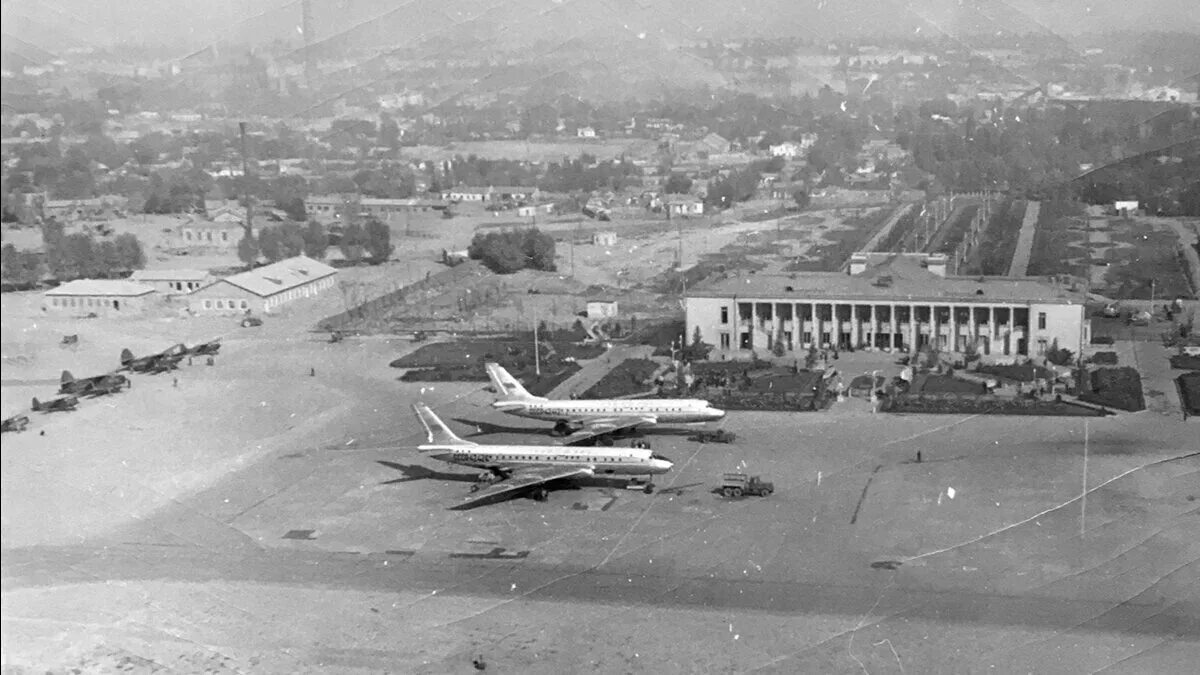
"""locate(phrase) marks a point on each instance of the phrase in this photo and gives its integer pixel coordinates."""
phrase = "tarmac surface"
(306, 534)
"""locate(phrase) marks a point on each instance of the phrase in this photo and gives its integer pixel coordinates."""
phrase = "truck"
(739, 485)
(716, 436)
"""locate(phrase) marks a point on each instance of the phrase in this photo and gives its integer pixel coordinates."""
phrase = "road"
(1024, 250)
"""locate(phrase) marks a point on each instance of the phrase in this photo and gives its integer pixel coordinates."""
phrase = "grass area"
(629, 377)
(538, 384)
(899, 231)
(1153, 259)
(1000, 240)
(464, 361)
(954, 231)
(1105, 358)
(1017, 373)
(986, 405)
(946, 384)
(1185, 362)
(1119, 388)
(1052, 236)
(1189, 392)
(831, 254)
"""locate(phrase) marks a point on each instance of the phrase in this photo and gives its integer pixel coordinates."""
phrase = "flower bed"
(1119, 388)
(1017, 373)
(538, 385)
(945, 384)
(1105, 358)
(985, 405)
(1189, 392)
(1185, 362)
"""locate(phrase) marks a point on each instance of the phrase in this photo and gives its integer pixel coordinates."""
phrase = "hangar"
(103, 297)
(887, 301)
(264, 289)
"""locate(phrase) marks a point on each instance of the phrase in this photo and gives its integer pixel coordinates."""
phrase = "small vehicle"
(739, 485)
(419, 336)
(718, 436)
(251, 321)
(1111, 311)
(16, 423)
(336, 336)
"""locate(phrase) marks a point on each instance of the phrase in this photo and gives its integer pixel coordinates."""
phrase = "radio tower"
(306, 26)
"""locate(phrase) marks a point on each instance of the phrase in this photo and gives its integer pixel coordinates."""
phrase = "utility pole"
(246, 183)
(537, 354)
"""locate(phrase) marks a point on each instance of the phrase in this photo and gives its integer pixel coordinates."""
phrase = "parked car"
(251, 321)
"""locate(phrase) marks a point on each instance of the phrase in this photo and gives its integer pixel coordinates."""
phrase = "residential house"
(685, 207)
(585, 132)
(601, 309)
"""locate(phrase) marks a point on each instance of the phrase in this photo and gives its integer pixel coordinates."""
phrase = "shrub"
(1184, 362)
(1105, 358)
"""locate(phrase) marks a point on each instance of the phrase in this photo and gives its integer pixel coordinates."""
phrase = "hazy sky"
(56, 25)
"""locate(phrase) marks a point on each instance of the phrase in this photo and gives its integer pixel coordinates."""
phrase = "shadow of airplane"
(417, 472)
(489, 428)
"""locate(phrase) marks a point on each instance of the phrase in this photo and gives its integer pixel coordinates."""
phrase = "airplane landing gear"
(540, 494)
(561, 428)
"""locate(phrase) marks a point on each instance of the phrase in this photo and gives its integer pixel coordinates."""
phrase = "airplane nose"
(717, 414)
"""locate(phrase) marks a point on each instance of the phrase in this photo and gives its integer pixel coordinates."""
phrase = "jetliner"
(581, 420)
(96, 385)
(155, 363)
(512, 469)
(60, 404)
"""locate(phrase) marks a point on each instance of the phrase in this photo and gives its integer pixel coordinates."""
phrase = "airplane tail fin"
(66, 378)
(439, 434)
(506, 385)
(126, 356)
(36, 404)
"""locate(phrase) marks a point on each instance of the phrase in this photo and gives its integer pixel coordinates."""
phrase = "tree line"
(67, 257)
(513, 250)
(370, 242)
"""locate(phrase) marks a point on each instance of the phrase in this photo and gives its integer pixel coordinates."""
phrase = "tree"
(292, 240)
(316, 240)
(501, 252)
(539, 250)
(20, 269)
(777, 346)
(802, 198)
(353, 241)
(130, 255)
(270, 244)
(378, 241)
(247, 250)
(678, 184)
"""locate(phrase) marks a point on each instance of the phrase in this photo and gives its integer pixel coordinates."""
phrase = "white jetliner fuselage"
(665, 410)
(590, 419)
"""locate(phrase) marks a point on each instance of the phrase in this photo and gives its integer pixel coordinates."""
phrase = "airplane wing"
(523, 479)
(597, 426)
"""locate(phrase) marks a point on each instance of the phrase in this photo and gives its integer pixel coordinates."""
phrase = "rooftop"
(106, 287)
(281, 276)
(896, 278)
(169, 275)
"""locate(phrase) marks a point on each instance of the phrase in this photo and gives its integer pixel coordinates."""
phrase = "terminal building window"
(1041, 321)
(724, 315)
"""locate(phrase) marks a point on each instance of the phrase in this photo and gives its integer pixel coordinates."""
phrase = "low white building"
(601, 309)
(264, 289)
(173, 282)
(102, 297)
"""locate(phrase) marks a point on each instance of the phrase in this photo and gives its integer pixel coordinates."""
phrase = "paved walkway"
(591, 371)
(1187, 236)
(1152, 360)
(1020, 261)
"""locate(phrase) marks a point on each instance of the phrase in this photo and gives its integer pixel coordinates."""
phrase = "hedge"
(1189, 392)
(986, 405)
(1185, 362)
(1105, 358)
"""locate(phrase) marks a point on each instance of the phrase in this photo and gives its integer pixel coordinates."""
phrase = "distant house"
(786, 149)
(714, 144)
(491, 194)
(1126, 208)
(604, 238)
(202, 236)
(96, 208)
(103, 297)
(264, 289)
(601, 309)
(685, 207)
(173, 282)
(531, 210)
(585, 132)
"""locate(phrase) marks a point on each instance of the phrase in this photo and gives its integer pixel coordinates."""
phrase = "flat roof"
(105, 287)
(895, 279)
(281, 276)
(169, 275)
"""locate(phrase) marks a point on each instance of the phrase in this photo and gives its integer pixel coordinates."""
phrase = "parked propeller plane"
(60, 404)
(97, 385)
(582, 420)
(510, 470)
(154, 363)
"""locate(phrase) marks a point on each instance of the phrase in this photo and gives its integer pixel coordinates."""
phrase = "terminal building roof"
(896, 278)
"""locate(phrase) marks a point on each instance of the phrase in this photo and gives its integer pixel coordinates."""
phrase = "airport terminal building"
(888, 301)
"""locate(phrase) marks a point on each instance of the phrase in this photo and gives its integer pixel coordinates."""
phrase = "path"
(1152, 361)
(593, 370)
(1098, 243)
(1020, 261)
